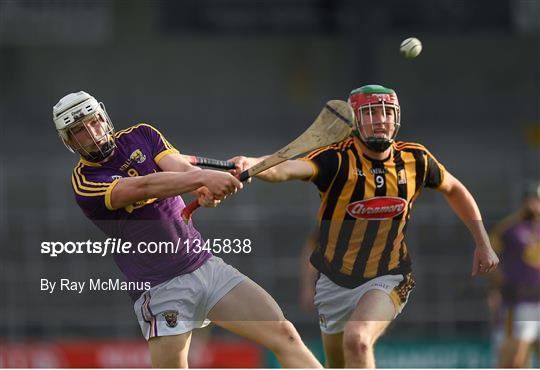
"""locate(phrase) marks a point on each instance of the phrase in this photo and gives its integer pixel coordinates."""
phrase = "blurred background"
(220, 78)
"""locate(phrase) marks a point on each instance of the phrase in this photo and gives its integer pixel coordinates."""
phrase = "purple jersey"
(138, 152)
(517, 241)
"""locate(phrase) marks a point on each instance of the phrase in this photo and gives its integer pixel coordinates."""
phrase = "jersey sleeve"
(435, 172)
(325, 163)
(159, 145)
(93, 188)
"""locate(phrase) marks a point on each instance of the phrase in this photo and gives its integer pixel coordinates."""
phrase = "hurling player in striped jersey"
(368, 184)
(128, 183)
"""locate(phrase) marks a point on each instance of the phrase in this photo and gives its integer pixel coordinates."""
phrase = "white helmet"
(74, 112)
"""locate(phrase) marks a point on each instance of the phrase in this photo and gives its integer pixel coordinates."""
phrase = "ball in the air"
(410, 48)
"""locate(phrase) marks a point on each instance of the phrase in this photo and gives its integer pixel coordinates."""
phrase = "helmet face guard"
(91, 137)
(84, 126)
(377, 116)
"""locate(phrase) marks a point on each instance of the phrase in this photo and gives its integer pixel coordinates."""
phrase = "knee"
(287, 332)
(357, 345)
(516, 363)
(285, 336)
(357, 341)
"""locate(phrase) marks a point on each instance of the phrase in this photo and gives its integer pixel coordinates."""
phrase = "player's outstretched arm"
(289, 170)
(129, 190)
(462, 202)
(176, 162)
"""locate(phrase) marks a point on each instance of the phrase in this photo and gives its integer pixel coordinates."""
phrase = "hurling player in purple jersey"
(129, 184)
(515, 291)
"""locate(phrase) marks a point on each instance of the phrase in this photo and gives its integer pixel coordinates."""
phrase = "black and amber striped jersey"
(365, 206)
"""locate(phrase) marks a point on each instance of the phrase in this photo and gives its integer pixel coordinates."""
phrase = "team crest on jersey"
(402, 177)
(138, 156)
(377, 208)
(171, 317)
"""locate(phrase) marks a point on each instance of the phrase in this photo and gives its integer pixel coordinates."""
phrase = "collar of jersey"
(88, 163)
(109, 159)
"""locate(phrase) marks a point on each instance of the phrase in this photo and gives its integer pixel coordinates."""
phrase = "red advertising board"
(121, 354)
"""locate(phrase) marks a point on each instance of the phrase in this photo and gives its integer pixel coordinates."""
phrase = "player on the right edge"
(515, 292)
(368, 184)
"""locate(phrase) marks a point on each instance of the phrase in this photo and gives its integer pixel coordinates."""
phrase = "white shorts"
(182, 304)
(523, 321)
(335, 304)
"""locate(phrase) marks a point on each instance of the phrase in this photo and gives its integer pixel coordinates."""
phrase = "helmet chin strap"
(377, 145)
(103, 152)
(373, 143)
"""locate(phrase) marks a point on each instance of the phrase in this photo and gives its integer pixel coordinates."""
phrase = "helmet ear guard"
(76, 109)
(367, 99)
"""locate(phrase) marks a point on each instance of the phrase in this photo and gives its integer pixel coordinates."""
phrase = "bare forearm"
(285, 171)
(156, 185)
(465, 207)
(176, 162)
(167, 184)
(462, 202)
(273, 174)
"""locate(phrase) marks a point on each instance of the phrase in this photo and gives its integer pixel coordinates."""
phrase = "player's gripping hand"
(485, 260)
(205, 198)
(242, 163)
(220, 184)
